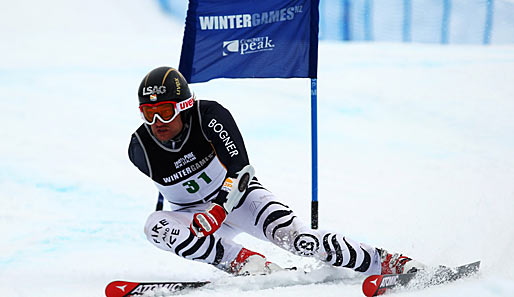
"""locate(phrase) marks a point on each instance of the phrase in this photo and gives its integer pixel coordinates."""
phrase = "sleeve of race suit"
(137, 155)
(220, 128)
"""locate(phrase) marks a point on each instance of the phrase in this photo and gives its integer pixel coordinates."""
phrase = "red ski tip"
(119, 288)
(371, 285)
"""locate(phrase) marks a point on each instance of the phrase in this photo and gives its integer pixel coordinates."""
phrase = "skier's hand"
(207, 222)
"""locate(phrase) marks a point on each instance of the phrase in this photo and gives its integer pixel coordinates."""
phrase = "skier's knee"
(297, 238)
(161, 230)
(306, 244)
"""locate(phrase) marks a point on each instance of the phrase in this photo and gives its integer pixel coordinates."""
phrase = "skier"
(195, 155)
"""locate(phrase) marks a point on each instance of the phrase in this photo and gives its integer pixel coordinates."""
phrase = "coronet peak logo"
(248, 46)
(231, 46)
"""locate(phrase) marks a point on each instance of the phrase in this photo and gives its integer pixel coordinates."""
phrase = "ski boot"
(398, 263)
(249, 262)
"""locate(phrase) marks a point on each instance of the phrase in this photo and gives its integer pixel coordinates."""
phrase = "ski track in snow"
(416, 153)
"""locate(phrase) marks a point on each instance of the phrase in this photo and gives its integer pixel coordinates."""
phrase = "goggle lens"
(165, 110)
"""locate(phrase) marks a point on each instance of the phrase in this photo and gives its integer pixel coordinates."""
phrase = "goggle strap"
(186, 104)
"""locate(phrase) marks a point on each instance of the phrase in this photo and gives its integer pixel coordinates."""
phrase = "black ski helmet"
(163, 84)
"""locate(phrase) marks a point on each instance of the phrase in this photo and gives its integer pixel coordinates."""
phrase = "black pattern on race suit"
(170, 232)
(280, 225)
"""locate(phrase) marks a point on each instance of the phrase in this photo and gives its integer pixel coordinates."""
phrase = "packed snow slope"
(416, 152)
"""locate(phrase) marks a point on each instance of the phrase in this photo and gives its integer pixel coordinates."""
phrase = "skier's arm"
(207, 222)
(137, 155)
(221, 130)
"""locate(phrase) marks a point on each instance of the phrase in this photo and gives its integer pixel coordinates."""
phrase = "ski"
(132, 289)
(375, 285)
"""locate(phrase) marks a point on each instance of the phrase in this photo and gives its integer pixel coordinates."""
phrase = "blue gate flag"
(250, 39)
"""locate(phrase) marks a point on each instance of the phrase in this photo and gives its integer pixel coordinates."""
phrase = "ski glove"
(207, 222)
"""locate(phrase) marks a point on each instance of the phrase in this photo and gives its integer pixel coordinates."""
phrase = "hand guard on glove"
(207, 222)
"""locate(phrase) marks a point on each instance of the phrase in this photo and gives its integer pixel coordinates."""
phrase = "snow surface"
(416, 154)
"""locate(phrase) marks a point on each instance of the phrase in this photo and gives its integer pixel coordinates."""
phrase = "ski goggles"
(165, 111)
